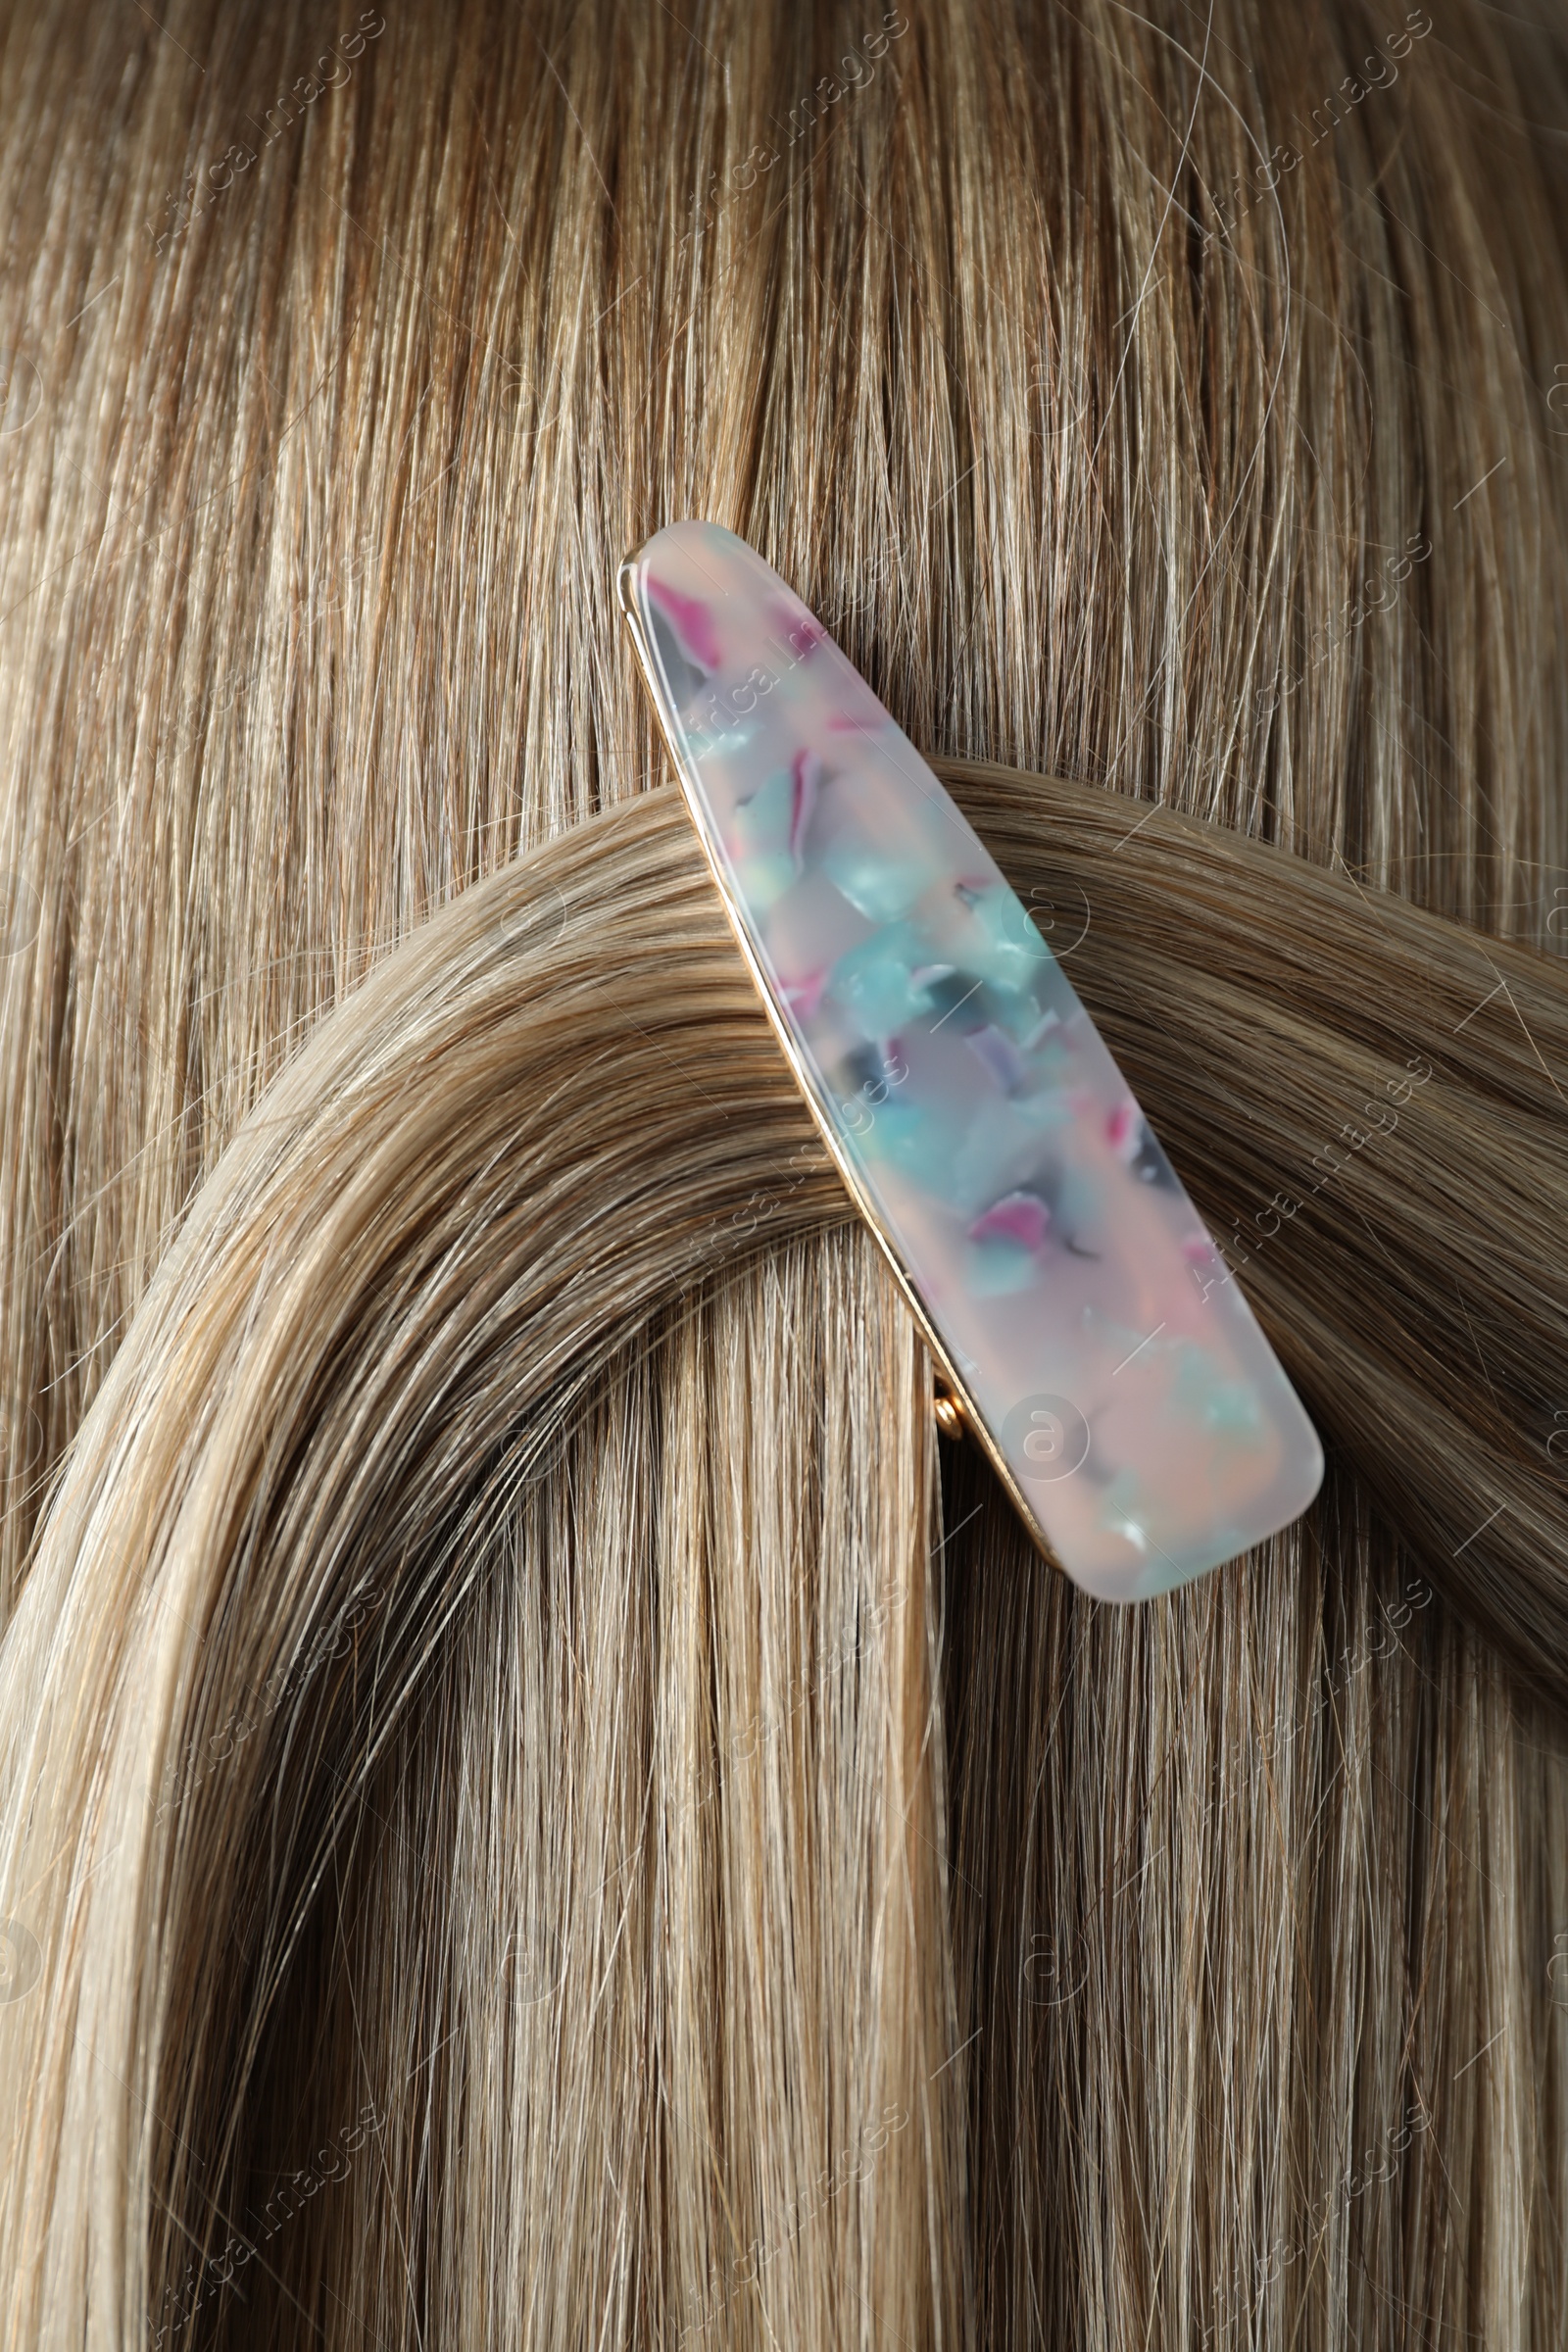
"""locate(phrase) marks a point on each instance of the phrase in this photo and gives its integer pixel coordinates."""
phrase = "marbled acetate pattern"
(1144, 1418)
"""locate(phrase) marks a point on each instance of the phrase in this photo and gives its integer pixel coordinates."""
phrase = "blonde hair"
(532, 1804)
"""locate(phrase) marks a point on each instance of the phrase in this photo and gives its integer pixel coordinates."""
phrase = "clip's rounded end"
(626, 585)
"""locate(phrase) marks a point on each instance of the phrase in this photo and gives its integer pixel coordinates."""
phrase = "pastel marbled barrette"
(1093, 1343)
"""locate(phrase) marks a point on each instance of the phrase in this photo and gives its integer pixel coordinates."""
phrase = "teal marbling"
(1118, 1371)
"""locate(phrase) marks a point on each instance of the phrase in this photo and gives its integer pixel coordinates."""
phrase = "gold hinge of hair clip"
(948, 1410)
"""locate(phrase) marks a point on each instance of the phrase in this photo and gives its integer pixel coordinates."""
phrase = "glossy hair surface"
(537, 1803)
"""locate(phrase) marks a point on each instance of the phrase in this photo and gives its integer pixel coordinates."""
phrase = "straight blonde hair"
(536, 1802)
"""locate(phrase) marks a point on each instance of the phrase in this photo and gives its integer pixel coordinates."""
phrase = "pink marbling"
(1124, 1380)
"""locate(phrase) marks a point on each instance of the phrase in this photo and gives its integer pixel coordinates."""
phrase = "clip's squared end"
(1092, 1337)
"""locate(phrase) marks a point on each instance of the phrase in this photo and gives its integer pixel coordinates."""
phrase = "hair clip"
(1093, 1343)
